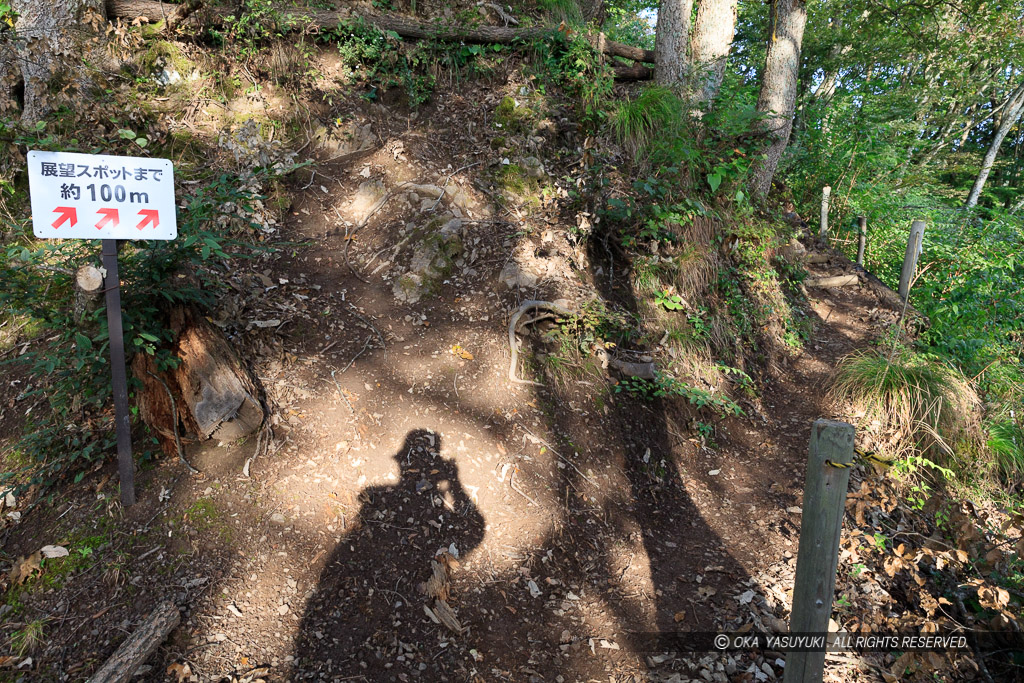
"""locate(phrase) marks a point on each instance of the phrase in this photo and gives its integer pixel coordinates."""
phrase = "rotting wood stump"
(214, 394)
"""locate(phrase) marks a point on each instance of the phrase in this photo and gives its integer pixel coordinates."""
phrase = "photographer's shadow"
(366, 615)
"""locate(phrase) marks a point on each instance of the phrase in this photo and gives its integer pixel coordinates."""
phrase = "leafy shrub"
(665, 385)
(572, 64)
(71, 366)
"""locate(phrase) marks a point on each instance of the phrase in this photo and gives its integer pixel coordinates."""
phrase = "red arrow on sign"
(109, 216)
(149, 216)
(67, 213)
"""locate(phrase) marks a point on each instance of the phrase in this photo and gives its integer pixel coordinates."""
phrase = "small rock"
(533, 167)
(278, 518)
(512, 277)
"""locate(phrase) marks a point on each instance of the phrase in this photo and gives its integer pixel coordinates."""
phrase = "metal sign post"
(119, 374)
(86, 196)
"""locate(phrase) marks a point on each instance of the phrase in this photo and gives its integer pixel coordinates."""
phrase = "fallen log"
(636, 72)
(835, 281)
(155, 10)
(139, 646)
(816, 257)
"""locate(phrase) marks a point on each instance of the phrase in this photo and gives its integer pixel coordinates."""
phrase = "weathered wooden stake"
(818, 556)
(862, 238)
(914, 243)
(823, 230)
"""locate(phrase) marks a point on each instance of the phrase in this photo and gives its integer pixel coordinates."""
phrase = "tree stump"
(88, 287)
(214, 394)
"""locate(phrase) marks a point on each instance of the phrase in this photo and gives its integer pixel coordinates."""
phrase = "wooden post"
(862, 238)
(818, 556)
(823, 230)
(914, 243)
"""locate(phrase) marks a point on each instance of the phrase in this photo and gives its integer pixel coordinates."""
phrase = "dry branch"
(140, 645)
(154, 10)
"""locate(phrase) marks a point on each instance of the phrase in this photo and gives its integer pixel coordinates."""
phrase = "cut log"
(636, 72)
(815, 257)
(88, 287)
(139, 646)
(217, 396)
(835, 281)
(154, 10)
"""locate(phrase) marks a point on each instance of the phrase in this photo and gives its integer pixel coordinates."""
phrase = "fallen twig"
(512, 483)
(342, 394)
(366, 344)
(366, 322)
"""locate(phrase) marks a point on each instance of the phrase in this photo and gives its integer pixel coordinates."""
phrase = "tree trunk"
(1007, 121)
(778, 86)
(48, 37)
(671, 43)
(709, 50)
(214, 394)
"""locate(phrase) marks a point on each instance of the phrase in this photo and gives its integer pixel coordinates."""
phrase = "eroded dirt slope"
(559, 522)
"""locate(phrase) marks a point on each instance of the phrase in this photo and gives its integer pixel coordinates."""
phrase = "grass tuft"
(1006, 441)
(637, 122)
(912, 398)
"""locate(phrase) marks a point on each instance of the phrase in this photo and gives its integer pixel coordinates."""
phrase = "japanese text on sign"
(93, 196)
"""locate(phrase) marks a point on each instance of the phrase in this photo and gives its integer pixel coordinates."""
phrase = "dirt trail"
(571, 525)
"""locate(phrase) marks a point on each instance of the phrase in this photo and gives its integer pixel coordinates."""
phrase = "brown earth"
(575, 519)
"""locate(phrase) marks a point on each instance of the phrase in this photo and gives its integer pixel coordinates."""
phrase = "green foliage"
(571, 63)
(670, 301)
(257, 22)
(8, 17)
(665, 385)
(595, 324)
(73, 364)
(968, 286)
(28, 639)
(639, 121)
(562, 10)
(631, 22)
(1006, 441)
(380, 59)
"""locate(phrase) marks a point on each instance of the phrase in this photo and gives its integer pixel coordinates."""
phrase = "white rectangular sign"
(96, 196)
